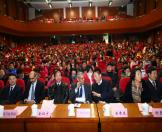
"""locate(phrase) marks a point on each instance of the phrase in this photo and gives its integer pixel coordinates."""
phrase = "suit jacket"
(105, 89)
(39, 91)
(145, 94)
(59, 93)
(87, 90)
(8, 97)
(155, 93)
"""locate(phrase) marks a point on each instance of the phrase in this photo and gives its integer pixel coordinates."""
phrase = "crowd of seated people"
(81, 20)
(81, 73)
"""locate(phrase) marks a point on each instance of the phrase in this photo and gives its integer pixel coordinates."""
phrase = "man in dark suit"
(154, 86)
(80, 92)
(12, 93)
(59, 90)
(34, 92)
(101, 89)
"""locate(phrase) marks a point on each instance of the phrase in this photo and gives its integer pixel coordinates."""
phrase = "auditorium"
(80, 65)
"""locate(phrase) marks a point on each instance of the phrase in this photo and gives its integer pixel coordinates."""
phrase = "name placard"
(83, 112)
(120, 112)
(9, 114)
(157, 112)
(43, 114)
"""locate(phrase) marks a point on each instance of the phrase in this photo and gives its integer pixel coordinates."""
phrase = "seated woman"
(136, 90)
(58, 91)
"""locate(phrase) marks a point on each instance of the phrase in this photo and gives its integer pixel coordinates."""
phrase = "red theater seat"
(66, 81)
(41, 80)
(123, 83)
(1, 84)
(21, 84)
(161, 79)
(107, 78)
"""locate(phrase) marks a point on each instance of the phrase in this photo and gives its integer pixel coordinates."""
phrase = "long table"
(60, 121)
(135, 122)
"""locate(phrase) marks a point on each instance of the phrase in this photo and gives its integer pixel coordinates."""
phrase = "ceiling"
(41, 4)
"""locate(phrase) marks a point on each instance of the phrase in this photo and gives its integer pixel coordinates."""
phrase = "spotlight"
(90, 4)
(70, 5)
(110, 2)
(50, 5)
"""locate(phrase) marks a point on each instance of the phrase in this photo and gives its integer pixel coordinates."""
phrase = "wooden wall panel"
(159, 4)
(108, 11)
(88, 12)
(2, 7)
(56, 14)
(150, 5)
(146, 6)
(22, 11)
(72, 13)
(11, 8)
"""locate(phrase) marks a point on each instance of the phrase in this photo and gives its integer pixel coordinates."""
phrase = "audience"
(35, 63)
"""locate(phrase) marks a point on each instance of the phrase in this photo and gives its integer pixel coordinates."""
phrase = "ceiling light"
(50, 5)
(90, 3)
(110, 2)
(70, 4)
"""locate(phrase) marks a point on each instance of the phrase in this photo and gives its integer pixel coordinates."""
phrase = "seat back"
(1, 84)
(66, 81)
(21, 84)
(123, 83)
(107, 78)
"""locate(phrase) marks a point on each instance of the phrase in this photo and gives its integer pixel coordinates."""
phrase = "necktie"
(32, 93)
(11, 89)
(154, 84)
(80, 91)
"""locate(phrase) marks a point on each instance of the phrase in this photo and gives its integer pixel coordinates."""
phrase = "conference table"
(135, 122)
(58, 122)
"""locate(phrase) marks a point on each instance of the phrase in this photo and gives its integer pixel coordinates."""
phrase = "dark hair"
(133, 73)
(88, 68)
(110, 64)
(150, 69)
(19, 71)
(126, 67)
(12, 74)
(73, 69)
(56, 71)
(97, 70)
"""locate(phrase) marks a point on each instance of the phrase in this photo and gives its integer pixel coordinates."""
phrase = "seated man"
(101, 89)
(58, 91)
(12, 93)
(153, 85)
(114, 77)
(34, 92)
(80, 92)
